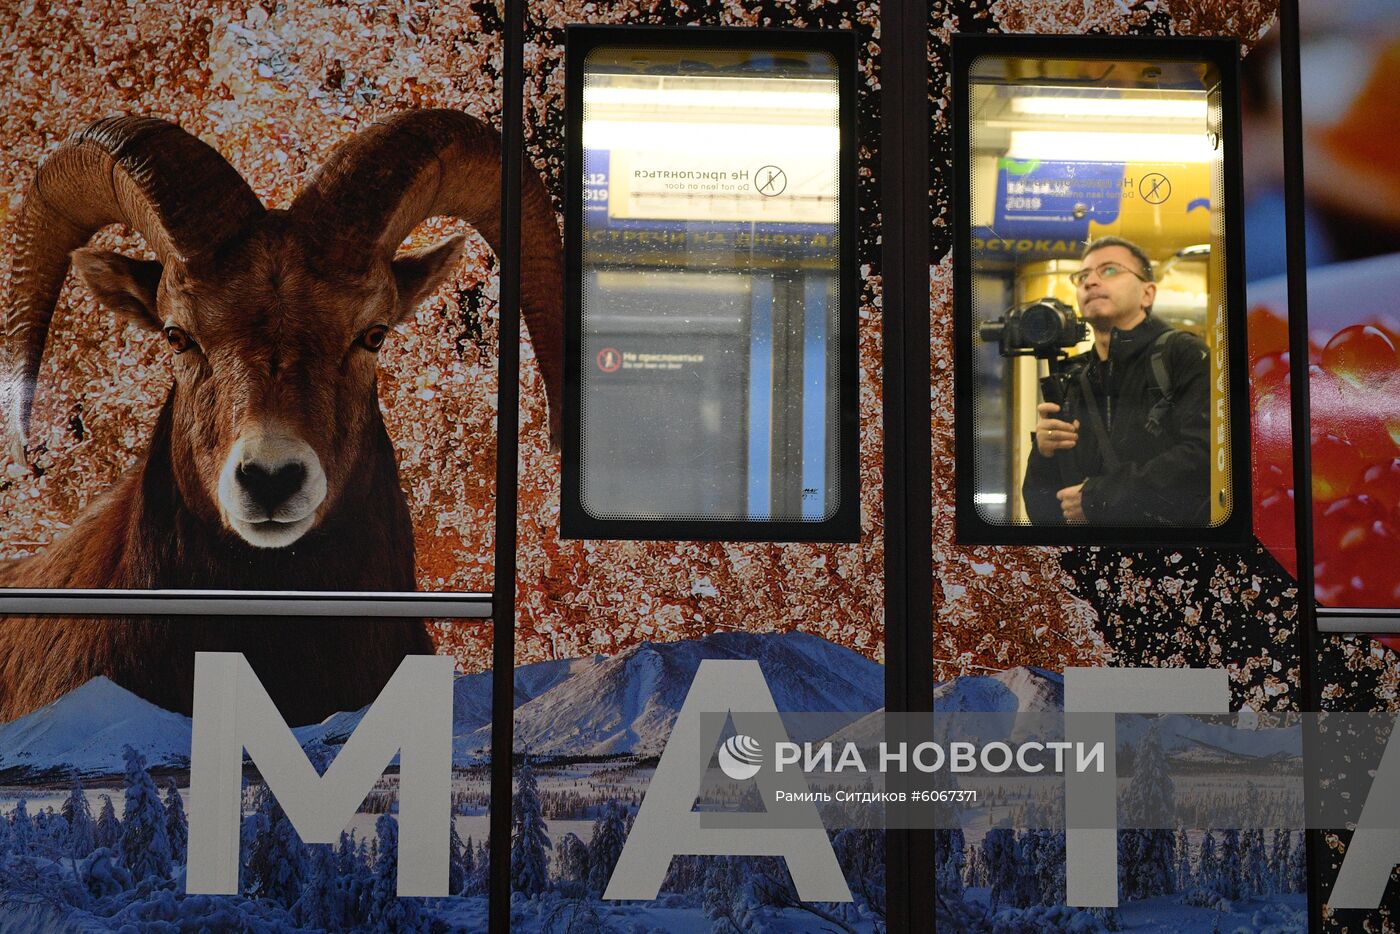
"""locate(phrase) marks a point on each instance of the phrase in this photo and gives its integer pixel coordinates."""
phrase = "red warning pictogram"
(609, 360)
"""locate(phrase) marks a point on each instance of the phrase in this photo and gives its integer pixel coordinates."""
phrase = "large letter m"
(411, 717)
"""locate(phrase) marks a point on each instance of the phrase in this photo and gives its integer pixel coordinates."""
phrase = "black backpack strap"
(1107, 455)
(1157, 416)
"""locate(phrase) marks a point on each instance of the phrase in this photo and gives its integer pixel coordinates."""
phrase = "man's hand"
(1072, 504)
(1051, 434)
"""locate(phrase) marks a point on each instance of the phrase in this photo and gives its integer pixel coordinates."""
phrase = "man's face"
(1114, 301)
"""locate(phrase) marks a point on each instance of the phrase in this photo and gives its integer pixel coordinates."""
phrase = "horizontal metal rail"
(243, 603)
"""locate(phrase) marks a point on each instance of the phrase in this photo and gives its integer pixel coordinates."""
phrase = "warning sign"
(795, 187)
(609, 360)
(1155, 188)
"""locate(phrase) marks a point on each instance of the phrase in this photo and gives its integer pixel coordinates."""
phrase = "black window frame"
(1223, 54)
(843, 525)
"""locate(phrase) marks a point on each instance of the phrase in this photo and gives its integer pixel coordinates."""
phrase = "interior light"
(821, 99)
(674, 136)
(1097, 146)
(1126, 107)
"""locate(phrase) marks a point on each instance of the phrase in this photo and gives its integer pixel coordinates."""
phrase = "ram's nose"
(270, 487)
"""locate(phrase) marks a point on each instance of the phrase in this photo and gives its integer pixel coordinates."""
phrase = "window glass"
(710, 293)
(1097, 294)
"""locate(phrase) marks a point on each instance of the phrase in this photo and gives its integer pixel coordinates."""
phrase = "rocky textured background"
(1147, 608)
(274, 88)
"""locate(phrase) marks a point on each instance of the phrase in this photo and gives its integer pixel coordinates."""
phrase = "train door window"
(710, 340)
(1101, 390)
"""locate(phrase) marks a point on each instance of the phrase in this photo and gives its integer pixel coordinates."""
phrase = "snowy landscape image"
(94, 793)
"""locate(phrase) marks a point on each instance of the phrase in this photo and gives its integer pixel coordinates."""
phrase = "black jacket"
(1163, 477)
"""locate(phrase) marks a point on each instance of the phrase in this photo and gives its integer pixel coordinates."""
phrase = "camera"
(1044, 328)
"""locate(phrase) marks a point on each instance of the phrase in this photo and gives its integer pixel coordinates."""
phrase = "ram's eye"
(178, 338)
(373, 337)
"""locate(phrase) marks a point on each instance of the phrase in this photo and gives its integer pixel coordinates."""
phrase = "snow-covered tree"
(319, 755)
(456, 870)
(346, 856)
(1298, 864)
(1050, 867)
(385, 911)
(1028, 862)
(177, 828)
(81, 830)
(51, 832)
(976, 875)
(108, 832)
(529, 842)
(316, 903)
(1256, 863)
(719, 887)
(572, 916)
(572, 856)
(605, 848)
(745, 912)
(686, 874)
(1208, 866)
(21, 828)
(949, 858)
(1183, 861)
(1146, 853)
(1230, 876)
(275, 866)
(145, 847)
(1001, 854)
(860, 851)
(1278, 862)
(481, 880)
(468, 863)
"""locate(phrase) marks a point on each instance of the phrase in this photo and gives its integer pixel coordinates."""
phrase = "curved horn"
(148, 174)
(383, 182)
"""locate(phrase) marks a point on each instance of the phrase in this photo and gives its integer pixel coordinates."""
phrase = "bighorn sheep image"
(269, 467)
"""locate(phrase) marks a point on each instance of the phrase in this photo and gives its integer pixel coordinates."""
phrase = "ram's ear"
(419, 272)
(124, 285)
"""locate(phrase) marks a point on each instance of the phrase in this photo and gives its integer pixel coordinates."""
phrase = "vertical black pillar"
(507, 460)
(904, 204)
(1310, 642)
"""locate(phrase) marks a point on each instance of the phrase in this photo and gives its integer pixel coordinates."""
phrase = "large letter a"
(666, 826)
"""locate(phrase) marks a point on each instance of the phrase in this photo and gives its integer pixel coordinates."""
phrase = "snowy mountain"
(1035, 689)
(533, 680)
(83, 732)
(1204, 741)
(471, 708)
(627, 704)
(1016, 690)
(993, 701)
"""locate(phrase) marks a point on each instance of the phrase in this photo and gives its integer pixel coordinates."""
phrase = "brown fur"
(276, 313)
(143, 534)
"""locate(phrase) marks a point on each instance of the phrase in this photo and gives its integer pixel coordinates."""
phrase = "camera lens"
(1040, 325)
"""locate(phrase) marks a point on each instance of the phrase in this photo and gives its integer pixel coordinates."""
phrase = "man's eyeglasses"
(1105, 271)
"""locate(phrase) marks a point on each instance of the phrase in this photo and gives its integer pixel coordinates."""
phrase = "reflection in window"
(1065, 153)
(710, 290)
